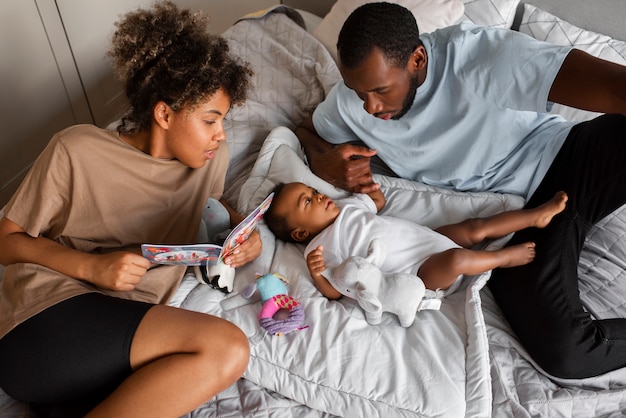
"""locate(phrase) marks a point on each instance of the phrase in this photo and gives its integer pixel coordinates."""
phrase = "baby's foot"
(548, 210)
(519, 254)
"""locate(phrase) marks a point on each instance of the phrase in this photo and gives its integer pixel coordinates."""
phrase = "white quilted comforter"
(461, 361)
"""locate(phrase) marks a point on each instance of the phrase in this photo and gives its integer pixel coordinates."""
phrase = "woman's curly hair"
(166, 54)
(387, 26)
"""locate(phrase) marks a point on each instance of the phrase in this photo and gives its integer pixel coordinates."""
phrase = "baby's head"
(299, 212)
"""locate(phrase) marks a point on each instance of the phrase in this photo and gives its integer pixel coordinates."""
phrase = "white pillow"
(281, 160)
(493, 13)
(429, 14)
(544, 26)
(311, 21)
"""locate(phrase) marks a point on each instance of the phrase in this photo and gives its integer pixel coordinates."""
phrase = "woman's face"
(195, 132)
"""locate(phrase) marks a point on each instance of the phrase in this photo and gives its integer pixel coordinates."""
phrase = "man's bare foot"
(519, 254)
(548, 210)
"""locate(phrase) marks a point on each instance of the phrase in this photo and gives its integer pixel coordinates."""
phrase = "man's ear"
(299, 235)
(418, 60)
(162, 114)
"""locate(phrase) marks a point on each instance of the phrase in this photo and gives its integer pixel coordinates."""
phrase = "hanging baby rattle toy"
(280, 313)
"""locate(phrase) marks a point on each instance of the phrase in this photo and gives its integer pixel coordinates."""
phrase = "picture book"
(202, 254)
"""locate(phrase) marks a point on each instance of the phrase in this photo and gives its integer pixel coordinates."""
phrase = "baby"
(334, 232)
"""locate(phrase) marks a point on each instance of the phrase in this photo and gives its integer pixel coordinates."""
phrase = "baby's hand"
(315, 262)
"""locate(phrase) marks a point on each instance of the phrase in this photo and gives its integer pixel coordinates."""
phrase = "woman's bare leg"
(180, 359)
(441, 270)
(470, 232)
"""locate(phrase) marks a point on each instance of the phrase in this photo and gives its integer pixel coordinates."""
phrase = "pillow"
(544, 26)
(311, 21)
(430, 15)
(281, 160)
(494, 13)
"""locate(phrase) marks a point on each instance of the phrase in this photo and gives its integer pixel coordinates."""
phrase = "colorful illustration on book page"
(189, 255)
(242, 231)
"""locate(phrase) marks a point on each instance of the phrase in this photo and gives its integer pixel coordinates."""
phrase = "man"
(464, 108)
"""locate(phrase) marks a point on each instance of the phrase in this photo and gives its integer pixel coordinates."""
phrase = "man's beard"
(410, 97)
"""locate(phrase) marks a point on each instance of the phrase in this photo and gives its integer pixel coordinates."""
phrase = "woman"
(83, 324)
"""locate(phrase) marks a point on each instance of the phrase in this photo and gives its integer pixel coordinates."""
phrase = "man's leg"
(541, 300)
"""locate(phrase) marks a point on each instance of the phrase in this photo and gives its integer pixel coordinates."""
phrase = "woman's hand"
(120, 271)
(248, 251)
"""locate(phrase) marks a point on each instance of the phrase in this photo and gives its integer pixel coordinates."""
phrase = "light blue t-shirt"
(476, 123)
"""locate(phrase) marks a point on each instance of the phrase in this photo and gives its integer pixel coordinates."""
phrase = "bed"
(462, 360)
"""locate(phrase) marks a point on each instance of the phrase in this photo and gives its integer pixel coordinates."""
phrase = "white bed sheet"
(341, 365)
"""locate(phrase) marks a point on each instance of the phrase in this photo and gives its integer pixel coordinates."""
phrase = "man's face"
(387, 91)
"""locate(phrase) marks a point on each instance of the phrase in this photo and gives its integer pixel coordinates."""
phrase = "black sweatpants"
(541, 300)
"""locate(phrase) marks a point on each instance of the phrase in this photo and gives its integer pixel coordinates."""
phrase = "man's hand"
(346, 166)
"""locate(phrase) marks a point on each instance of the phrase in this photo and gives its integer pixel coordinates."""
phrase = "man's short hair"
(386, 26)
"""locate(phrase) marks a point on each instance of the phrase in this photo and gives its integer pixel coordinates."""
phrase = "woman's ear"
(162, 114)
(299, 235)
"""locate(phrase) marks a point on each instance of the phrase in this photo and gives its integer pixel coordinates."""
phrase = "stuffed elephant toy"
(402, 294)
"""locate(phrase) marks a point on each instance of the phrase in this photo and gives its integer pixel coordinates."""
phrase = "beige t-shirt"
(91, 191)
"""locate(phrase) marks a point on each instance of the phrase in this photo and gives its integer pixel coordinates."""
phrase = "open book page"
(189, 255)
(243, 230)
(203, 254)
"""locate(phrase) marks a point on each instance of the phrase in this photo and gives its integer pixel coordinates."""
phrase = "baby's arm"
(315, 263)
(378, 198)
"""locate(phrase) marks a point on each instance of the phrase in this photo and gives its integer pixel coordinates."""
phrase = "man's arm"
(345, 166)
(590, 83)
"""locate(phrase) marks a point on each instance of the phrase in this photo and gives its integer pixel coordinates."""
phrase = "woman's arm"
(119, 271)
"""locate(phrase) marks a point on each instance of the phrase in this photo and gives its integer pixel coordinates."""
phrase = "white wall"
(89, 26)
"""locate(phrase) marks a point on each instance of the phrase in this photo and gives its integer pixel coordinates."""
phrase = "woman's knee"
(231, 347)
(169, 331)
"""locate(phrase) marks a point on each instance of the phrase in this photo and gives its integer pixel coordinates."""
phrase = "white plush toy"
(402, 294)
(219, 276)
(214, 228)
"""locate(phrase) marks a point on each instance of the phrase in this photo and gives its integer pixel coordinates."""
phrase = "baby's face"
(306, 209)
